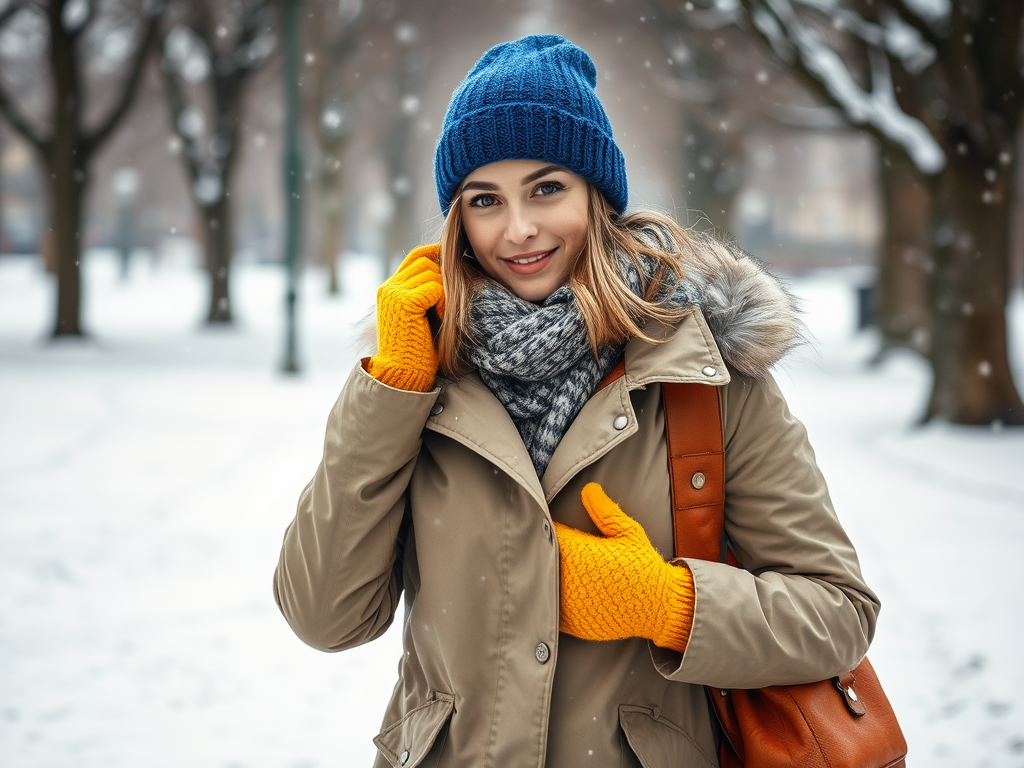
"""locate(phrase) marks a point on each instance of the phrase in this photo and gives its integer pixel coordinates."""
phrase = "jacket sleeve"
(800, 611)
(336, 581)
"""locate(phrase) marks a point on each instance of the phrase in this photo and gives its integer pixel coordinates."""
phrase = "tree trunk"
(217, 230)
(3, 236)
(904, 259)
(66, 163)
(334, 276)
(217, 219)
(972, 382)
(711, 173)
(331, 224)
(400, 233)
(67, 193)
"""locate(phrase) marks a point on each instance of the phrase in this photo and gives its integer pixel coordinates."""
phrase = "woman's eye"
(482, 201)
(548, 188)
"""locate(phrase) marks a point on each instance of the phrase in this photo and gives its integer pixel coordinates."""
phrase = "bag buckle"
(845, 686)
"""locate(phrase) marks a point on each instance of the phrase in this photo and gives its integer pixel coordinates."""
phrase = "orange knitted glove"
(618, 586)
(406, 357)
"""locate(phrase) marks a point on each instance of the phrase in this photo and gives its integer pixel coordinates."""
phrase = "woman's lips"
(534, 262)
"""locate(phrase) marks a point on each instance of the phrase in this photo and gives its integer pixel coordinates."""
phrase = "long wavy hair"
(612, 312)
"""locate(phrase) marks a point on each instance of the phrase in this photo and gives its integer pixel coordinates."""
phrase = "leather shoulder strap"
(696, 468)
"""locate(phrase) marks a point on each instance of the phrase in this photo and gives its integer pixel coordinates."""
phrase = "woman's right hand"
(406, 357)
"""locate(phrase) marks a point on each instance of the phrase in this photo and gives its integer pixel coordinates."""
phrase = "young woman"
(488, 462)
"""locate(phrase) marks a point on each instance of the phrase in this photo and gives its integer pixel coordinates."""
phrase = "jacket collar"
(688, 354)
(473, 416)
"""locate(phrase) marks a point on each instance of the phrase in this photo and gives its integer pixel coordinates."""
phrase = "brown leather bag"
(843, 722)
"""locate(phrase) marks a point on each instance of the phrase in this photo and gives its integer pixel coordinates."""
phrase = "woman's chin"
(535, 292)
(535, 287)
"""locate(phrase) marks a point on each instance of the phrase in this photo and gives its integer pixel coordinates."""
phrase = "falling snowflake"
(74, 15)
(208, 188)
(410, 104)
(191, 122)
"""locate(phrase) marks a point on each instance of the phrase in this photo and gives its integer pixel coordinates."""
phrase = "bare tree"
(901, 311)
(943, 87)
(401, 98)
(730, 85)
(333, 31)
(50, 92)
(3, 218)
(721, 88)
(209, 55)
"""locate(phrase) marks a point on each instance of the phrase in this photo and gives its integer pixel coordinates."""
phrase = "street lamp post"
(292, 10)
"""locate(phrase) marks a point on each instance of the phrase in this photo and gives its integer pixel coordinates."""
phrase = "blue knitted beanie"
(530, 99)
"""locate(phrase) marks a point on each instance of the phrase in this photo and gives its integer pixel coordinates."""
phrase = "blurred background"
(848, 134)
(198, 199)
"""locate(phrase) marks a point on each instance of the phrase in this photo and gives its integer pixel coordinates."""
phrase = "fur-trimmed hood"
(751, 314)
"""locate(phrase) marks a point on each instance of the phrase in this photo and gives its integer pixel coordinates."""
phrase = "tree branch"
(19, 122)
(10, 11)
(252, 24)
(90, 14)
(177, 104)
(95, 139)
(911, 19)
(876, 111)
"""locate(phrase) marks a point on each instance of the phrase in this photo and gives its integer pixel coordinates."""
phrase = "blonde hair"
(612, 312)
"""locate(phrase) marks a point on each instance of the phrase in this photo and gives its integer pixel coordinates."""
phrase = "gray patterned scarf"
(537, 360)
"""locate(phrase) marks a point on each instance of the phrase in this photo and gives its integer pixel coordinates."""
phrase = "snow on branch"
(718, 15)
(902, 39)
(934, 12)
(769, 26)
(128, 90)
(76, 15)
(906, 43)
(878, 107)
(8, 9)
(9, 106)
(19, 122)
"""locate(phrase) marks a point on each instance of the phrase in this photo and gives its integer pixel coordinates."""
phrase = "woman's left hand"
(617, 585)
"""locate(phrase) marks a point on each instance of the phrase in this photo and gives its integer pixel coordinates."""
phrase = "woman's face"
(526, 222)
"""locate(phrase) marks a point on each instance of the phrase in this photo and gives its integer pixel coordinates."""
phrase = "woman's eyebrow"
(488, 186)
(542, 172)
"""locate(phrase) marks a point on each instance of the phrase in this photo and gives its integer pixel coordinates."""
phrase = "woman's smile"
(528, 263)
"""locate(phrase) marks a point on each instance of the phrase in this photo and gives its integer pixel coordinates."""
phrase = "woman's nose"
(520, 226)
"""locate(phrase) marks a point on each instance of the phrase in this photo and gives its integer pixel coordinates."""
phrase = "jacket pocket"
(406, 742)
(659, 743)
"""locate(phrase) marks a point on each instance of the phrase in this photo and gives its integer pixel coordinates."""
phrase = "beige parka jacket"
(434, 495)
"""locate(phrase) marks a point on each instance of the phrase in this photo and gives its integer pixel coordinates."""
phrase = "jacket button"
(436, 410)
(620, 422)
(547, 530)
(707, 370)
(403, 758)
(542, 652)
(698, 480)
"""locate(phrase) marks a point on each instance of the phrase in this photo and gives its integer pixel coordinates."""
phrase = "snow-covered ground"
(146, 478)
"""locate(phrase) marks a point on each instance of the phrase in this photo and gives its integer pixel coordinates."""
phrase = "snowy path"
(146, 479)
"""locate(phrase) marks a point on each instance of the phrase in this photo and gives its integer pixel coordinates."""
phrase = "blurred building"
(21, 199)
(810, 200)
